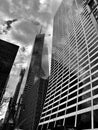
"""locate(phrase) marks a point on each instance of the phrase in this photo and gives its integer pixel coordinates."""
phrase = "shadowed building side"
(32, 95)
(8, 53)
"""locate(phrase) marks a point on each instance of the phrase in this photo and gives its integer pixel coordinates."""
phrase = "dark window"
(42, 120)
(95, 83)
(95, 101)
(72, 95)
(61, 113)
(80, 84)
(70, 110)
(53, 116)
(73, 88)
(81, 55)
(84, 105)
(85, 96)
(94, 62)
(73, 83)
(56, 103)
(96, 14)
(39, 127)
(65, 78)
(62, 106)
(46, 118)
(51, 98)
(90, 38)
(86, 80)
(66, 74)
(51, 125)
(63, 100)
(92, 43)
(51, 102)
(64, 94)
(58, 88)
(59, 122)
(54, 110)
(84, 64)
(57, 93)
(95, 50)
(48, 112)
(92, 4)
(87, 87)
(85, 74)
(50, 107)
(94, 69)
(56, 98)
(44, 127)
(84, 121)
(70, 121)
(73, 77)
(65, 84)
(94, 56)
(95, 92)
(96, 118)
(43, 114)
(72, 102)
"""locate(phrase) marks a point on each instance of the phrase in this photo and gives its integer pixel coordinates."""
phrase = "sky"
(27, 17)
(20, 21)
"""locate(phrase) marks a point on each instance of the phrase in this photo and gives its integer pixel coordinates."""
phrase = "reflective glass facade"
(72, 95)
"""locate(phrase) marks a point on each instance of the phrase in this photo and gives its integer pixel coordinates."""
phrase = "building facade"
(33, 95)
(72, 95)
(8, 53)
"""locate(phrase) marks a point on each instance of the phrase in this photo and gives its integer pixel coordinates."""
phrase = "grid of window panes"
(72, 96)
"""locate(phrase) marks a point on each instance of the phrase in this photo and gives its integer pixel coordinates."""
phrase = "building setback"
(8, 53)
(72, 96)
(35, 88)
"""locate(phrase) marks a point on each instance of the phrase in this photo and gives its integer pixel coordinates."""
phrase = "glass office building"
(35, 89)
(72, 95)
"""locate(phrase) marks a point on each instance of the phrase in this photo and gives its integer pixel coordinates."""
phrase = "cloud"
(34, 9)
(4, 6)
(24, 30)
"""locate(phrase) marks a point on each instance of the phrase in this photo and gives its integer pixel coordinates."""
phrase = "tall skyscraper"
(8, 53)
(35, 88)
(72, 95)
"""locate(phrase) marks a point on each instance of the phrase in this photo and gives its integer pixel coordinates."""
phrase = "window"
(62, 106)
(84, 105)
(92, 4)
(44, 127)
(72, 102)
(70, 110)
(70, 121)
(39, 127)
(61, 113)
(96, 119)
(84, 121)
(53, 116)
(59, 122)
(51, 125)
